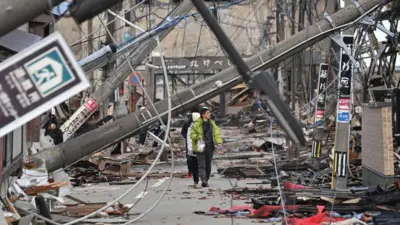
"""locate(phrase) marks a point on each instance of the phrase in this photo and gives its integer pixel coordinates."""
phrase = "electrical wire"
(167, 129)
(277, 176)
(174, 20)
(188, 85)
(170, 22)
(112, 21)
(151, 167)
(165, 138)
(169, 111)
(183, 39)
(260, 66)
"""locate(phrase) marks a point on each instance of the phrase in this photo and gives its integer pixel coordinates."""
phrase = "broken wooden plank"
(34, 190)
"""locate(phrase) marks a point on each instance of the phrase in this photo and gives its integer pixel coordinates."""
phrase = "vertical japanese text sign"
(37, 79)
(320, 109)
(321, 95)
(346, 73)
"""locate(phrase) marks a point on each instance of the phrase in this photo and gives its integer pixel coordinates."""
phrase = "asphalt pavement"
(178, 205)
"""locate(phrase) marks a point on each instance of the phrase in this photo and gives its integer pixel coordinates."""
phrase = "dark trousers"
(204, 160)
(188, 161)
(194, 167)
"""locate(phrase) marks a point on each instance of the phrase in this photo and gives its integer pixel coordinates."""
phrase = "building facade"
(15, 144)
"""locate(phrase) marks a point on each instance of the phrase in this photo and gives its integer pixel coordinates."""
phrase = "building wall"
(15, 144)
(239, 22)
(377, 140)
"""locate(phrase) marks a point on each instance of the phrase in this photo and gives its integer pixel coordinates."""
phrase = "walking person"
(192, 162)
(205, 131)
(184, 132)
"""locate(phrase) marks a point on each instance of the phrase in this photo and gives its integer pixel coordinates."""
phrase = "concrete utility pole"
(73, 150)
(132, 31)
(107, 68)
(318, 133)
(15, 13)
(103, 92)
(343, 125)
(293, 151)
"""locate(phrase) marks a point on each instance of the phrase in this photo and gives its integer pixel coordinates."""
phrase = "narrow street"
(182, 204)
(295, 104)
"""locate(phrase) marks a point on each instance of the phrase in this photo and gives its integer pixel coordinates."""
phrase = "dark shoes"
(204, 184)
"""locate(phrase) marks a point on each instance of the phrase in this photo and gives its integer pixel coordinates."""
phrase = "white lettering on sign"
(207, 62)
(91, 105)
(193, 63)
(78, 118)
(5, 104)
(344, 82)
(34, 97)
(176, 66)
(218, 62)
(75, 122)
(37, 79)
(324, 74)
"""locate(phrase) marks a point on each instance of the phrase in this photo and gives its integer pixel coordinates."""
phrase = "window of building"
(8, 149)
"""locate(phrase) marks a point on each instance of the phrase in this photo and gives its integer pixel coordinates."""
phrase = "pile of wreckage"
(306, 196)
(307, 205)
(36, 192)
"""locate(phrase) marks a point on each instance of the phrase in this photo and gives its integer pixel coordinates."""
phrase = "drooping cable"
(164, 142)
(151, 167)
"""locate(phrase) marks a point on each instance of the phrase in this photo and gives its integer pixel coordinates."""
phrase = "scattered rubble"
(247, 154)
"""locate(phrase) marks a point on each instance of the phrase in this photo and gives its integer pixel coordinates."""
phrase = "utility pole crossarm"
(127, 126)
(107, 88)
(15, 13)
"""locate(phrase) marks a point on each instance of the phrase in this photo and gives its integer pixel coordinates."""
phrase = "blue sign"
(135, 79)
(49, 72)
(318, 123)
(343, 117)
(37, 79)
(127, 36)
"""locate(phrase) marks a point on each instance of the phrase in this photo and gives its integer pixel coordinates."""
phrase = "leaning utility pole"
(16, 13)
(318, 133)
(293, 151)
(343, 114)
(127, 126)
(107, 68)
(103, 92)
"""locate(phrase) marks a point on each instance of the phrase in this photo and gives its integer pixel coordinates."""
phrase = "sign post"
(207, 65)
(36, 80)
(319, 113)
(135, 79)
(78, 118)
(342, 136)
(127, 36)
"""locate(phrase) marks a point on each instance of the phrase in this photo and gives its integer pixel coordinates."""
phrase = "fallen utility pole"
(73, 150)
(107, 88)
(16, 13)
(261, 80)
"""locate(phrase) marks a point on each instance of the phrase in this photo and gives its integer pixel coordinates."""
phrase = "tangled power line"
(169, 118)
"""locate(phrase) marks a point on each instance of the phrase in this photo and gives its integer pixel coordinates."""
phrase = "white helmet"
(195, 116)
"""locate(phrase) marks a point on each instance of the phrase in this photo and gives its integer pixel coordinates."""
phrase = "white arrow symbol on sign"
(47, 80)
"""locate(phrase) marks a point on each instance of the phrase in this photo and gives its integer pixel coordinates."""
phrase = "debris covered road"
(243, 187)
